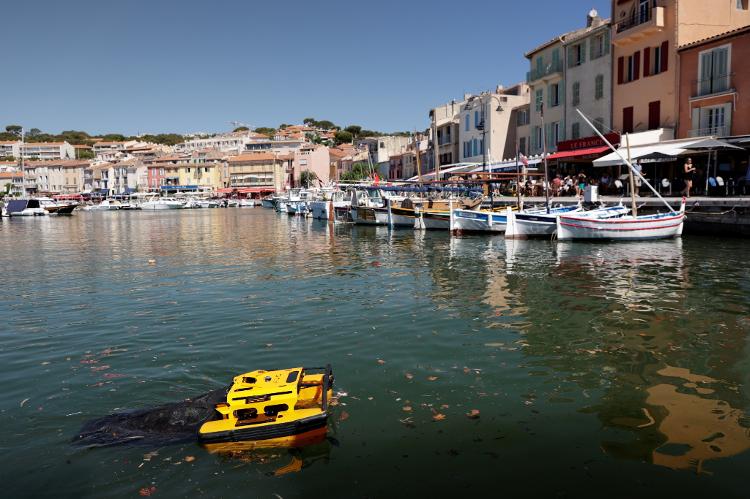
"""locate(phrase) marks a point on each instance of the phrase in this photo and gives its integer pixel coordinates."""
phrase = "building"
(11, 182)
(234, 142)
(588, 78)
(645, 37)
(547, 95)
(523, 129)
(314, 158)
(258, 170)
(444, 133)
(10, 149)
(47, 151)
(60, 176)
(487, 129)
(713, 80)
(380, 149)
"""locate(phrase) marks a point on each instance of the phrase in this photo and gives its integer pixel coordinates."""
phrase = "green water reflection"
(620, 368)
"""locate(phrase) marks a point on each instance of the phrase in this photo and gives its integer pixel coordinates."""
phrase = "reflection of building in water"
(681, 427)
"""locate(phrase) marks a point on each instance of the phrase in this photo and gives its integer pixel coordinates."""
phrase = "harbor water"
(463, 364)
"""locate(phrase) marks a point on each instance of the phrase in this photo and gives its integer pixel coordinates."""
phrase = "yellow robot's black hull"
(267, 432)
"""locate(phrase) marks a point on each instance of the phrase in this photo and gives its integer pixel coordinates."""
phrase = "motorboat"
(247, 203)
(106, 205)
(269, 202)
(209, 203)
(56, 207)
(274, 408)
(157, 203)
(335, 200)
(24, 208)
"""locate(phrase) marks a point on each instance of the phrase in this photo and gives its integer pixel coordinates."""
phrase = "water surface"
(617, 368)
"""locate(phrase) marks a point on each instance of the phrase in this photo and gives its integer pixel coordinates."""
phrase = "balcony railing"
(539, 73)
(638, 17)
(719, 131)
(715, 85)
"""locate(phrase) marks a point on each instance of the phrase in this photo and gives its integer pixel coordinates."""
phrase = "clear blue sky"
(184, 65)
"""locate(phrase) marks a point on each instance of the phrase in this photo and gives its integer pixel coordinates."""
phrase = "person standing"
(688, 177)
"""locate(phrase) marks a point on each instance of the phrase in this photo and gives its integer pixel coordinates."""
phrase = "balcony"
(550, 70)
(639, 25)
(718, 131)
(718, 84)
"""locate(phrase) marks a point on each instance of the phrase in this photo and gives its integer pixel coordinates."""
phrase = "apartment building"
(60, 176)
(234, 142)
(488, 124)
(380, 149)
(444, 120)
(314, 158)
(10, 149)
(47, 151)
(523, 129)
(547, 94)
(11, 182)
(588, 77)
(257, 170)
(713, 79)
(645, 38)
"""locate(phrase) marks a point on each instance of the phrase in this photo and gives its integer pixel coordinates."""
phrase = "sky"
(186, 66)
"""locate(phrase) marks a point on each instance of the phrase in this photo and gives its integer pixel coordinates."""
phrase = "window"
(600, 45)
(575, 131)
(741, 4)
(522, 145)
(576, 93)
(554, 95)
(654, 115)
(576, 54)
(538, 100)
(629, 68)
(713, 71)
(599, 124)
(537, 138)
(466, 123)
(476, 119)
(523, 117)
(599, 87)
(627, 120)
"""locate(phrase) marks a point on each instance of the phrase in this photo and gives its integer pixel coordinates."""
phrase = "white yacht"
(157, 203)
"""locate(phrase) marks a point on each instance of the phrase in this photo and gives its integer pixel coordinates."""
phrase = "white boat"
(321, 208)
(191, 204)
(247, 203)
(54, 207)
(540, 223)
(269, 202)
(157, 203)
(282, 203)
(106, 205)
(623, 228)
(24, 208)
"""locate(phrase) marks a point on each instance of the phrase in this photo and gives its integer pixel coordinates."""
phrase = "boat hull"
(366, 215)
(151, 205)
(478, 221)
(272, 432)
(621, 229)
(267, 203)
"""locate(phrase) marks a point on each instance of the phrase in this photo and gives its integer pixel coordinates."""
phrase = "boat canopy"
(649, 153)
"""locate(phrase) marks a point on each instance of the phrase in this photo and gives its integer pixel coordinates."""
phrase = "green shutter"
(606, 42)
(592, 45)
(570, 57)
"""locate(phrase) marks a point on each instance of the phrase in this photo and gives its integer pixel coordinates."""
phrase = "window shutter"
(549, 96)
(570, 57)
(592, 45)
(647, 62)
(620, 70)
(583, 51)
(637, 65)
(606, 42)
(664, 56)
(696, 118)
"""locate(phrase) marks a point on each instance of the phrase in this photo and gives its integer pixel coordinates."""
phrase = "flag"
(524, 160)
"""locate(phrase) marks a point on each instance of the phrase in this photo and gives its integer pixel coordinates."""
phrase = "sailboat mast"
(633, 206)
(546, 168)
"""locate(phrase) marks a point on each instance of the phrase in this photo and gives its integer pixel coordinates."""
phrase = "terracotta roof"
(726, 34)
(81, 147)
(43, 144)
(257, 156)
(65, 163)
(108, 143)
(11, 174)
(10, 141)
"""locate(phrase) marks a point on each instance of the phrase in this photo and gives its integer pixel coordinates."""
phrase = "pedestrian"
(580, 184)
(688, 177)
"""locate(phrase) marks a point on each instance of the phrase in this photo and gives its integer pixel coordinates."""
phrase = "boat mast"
(544, 155)
(633, 206)
(628, 163)
(518, 178)
(23, 169)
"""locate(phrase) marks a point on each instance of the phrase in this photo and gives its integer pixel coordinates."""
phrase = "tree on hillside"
(268, 131)
(85, 154)
(14, 129)
(355, 130)
(343, 137)
(113, 137)
(33, 132)
(168, 139)
(241, 129)
(309, 121)
(325, 125)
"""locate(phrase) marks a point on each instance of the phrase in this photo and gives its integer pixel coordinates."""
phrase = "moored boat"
(24, 208)
(622, 228)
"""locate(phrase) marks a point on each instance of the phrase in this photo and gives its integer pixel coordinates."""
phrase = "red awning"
(245, 190)
(592, 151)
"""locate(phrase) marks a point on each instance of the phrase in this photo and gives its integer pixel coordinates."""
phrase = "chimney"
(592, 18)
